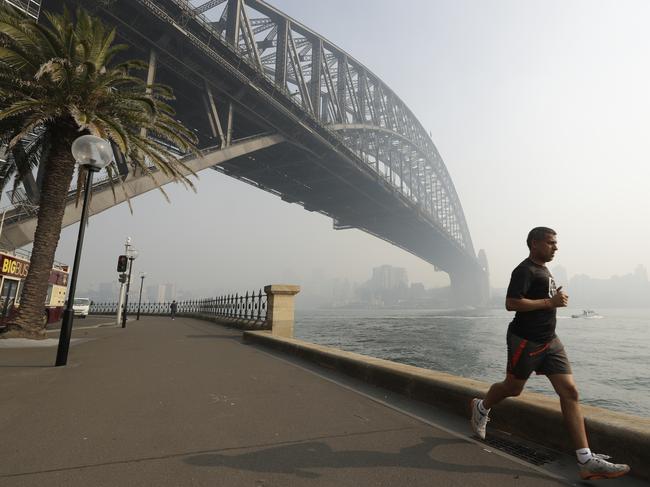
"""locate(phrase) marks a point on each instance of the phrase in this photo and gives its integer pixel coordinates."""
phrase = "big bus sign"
(13, 271)
(13, 267)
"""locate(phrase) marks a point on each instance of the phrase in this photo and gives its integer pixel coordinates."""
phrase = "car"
(81, 307)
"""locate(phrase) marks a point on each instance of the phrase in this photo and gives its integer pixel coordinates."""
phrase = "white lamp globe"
(133, 254)
(92, 152)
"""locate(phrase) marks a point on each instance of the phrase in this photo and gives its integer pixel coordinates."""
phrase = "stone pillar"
(279, 301)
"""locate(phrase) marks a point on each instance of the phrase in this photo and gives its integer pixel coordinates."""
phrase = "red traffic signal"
(122, 262)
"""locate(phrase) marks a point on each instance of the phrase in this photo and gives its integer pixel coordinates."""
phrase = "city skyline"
(378, 290)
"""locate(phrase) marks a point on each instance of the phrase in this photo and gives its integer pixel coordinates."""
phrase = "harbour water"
(610, 356)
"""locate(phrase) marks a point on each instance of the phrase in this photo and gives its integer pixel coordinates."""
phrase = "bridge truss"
(344, 95)
(351, 148)
(30, 7)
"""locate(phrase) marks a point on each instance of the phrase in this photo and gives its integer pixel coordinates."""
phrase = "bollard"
(280, 303)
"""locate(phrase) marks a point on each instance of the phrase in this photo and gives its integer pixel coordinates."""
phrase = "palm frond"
(50, 44)
(130, 65)
(12, 25)
(61, 74)
(15, 58)
(19, 108)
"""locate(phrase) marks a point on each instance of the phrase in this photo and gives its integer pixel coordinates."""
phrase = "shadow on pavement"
(297, 458)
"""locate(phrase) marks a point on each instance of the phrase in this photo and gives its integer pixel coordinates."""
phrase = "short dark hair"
(538, 233)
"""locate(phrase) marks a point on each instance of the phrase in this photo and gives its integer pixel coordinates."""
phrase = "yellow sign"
(13, 267)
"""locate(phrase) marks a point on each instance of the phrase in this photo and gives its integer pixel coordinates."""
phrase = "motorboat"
(587, 313)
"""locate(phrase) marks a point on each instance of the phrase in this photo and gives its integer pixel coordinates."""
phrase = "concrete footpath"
(186, 403)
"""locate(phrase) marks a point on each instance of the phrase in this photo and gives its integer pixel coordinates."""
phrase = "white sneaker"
(479, 420)
(597, 467)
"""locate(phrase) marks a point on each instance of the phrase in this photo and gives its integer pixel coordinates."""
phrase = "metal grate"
(532, 454)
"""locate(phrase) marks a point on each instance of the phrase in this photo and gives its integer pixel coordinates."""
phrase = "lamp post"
(92, 153)
(142, 276)
(132, 254)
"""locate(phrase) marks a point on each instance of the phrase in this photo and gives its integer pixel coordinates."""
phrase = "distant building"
(161, 293)
(560, 275)
(626, 291)
(387, 286)
(386, 277)
(417, 291)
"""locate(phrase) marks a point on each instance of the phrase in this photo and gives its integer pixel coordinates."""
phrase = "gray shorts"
(525, 356)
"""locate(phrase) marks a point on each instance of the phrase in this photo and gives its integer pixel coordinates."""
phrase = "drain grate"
(534, 455)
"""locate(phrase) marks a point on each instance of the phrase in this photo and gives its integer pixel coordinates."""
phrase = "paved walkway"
(186, 403)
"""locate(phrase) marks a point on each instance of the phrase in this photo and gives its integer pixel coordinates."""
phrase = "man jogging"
(534, 346)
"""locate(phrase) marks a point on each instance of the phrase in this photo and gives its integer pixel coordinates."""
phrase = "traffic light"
(122, 262)
(122, 278)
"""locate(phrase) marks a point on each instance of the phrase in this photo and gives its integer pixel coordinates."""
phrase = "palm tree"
(60, 81)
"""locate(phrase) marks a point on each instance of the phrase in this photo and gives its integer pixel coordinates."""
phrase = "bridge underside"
(19, 225)
(227, 100)
(355, 199)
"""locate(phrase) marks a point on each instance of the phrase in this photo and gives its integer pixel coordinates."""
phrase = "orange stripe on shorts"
(517, 354)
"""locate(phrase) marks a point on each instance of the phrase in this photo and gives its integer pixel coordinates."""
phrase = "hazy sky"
(540, 110)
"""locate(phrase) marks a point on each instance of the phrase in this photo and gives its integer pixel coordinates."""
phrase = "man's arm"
(560, 300)
(524, 304)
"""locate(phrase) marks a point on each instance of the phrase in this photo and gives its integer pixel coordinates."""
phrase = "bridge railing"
(257, 310)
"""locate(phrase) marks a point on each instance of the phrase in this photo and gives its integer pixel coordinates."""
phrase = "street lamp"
(142, 276)
(93, 154)
(132, 254)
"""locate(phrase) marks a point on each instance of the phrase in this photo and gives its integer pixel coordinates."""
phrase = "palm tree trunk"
(29, 321)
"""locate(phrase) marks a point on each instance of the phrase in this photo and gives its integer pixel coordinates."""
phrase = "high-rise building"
(387, 277)
(161, 293)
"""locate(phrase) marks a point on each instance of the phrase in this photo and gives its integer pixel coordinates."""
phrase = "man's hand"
(561, 299)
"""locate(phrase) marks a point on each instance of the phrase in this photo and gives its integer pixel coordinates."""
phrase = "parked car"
(81, 307)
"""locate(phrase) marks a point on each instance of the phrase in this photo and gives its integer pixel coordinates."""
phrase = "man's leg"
(510, 387)
(592, 466)
(565, 387)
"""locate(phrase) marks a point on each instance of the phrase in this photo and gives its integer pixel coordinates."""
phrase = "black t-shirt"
(532, 281)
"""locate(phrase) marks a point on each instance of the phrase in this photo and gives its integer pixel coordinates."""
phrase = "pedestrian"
(173, 308)
(533, 346)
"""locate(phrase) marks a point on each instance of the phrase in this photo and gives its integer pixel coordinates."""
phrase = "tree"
(57, 82)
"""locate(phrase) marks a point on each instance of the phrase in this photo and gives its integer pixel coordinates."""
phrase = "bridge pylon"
(470, 286)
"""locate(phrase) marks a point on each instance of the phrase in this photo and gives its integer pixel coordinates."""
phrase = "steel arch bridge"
(280, 107)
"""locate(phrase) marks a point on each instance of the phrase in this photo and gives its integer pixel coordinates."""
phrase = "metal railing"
(249, 309)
